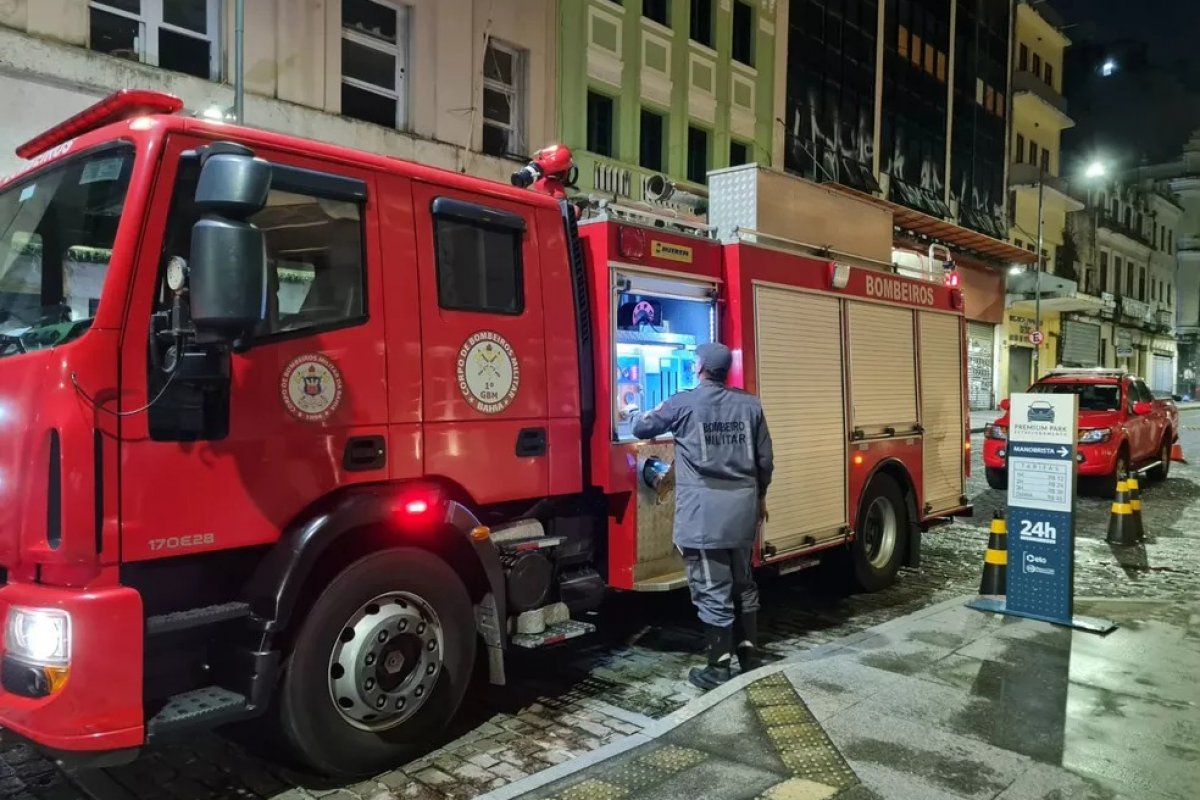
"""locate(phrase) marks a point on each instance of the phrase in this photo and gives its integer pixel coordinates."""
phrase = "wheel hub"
(386, 661)
(880, 532)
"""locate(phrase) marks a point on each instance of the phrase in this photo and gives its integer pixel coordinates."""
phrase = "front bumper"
(99, 707)
(1093, 460)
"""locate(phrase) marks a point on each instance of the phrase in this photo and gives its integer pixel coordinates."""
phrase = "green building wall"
(601, 39)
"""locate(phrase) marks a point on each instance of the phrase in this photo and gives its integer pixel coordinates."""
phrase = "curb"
(698, 706)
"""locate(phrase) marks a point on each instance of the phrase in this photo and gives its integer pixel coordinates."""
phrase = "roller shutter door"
(941, 411)
(1162, 376)
(883, 384)
(981, 358)
(1080, 344)
(799, 362)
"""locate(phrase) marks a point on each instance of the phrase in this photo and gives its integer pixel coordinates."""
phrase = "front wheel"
(881, 535)
(380, 664)
(997, 478)
(1108, 484)
(1163, 469)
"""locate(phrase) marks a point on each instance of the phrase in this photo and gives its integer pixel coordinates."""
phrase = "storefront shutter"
(1080, 344)
(981, 358)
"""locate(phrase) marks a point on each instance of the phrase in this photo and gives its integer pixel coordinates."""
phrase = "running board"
(195, 618)
(662, 583)
(197, 710)
(553, 634)
(1142, 470)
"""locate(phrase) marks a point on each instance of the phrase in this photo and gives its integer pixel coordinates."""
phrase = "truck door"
(484, 381)
(1146, 428)
(221, 461)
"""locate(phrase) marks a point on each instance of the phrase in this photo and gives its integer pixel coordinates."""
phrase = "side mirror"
(1141, 408)
(228, 269)
(1005, 404)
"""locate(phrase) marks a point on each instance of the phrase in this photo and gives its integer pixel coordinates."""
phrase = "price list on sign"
(1040, 483)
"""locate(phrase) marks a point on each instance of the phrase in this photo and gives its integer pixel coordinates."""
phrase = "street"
(575, 699)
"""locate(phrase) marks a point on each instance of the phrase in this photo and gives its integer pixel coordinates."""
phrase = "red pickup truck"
(1121, 426)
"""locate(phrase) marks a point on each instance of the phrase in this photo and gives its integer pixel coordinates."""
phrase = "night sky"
(1150, 114)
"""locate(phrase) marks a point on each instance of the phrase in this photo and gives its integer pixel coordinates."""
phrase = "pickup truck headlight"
(996, 432)
(1095, 435)
(38, 635)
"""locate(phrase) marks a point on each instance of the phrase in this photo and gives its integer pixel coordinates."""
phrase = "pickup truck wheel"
(1108, 486)
(881, 535)
(997, 478)
(380, 664)
(1163, 469)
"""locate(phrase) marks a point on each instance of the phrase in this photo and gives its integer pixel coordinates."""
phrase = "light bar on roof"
(117, 106)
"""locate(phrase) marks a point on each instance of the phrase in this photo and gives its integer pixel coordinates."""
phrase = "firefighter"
(723, 465)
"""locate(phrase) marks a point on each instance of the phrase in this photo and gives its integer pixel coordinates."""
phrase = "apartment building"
(461, 84)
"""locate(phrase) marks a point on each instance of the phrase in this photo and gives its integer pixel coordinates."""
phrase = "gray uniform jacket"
(723, 463)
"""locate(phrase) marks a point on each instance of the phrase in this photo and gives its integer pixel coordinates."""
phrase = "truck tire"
(997, 478)
(380, 664)
(1163, 469)
(881, 535)
(1108, 484)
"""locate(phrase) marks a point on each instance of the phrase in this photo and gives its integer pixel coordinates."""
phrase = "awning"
(954, 236)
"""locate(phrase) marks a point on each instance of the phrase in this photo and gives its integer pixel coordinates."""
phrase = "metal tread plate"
(196, 617)
(197, 706)
(553, 634)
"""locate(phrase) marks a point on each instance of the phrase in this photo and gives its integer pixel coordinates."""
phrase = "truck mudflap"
(276, 586)
(94, 708)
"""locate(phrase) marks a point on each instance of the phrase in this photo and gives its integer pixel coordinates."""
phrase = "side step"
(199, 709)
(195, 618)
(553, 634)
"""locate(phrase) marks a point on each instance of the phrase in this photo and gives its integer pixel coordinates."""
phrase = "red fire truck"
(297, 430)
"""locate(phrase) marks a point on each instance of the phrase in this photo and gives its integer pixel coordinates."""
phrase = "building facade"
(908, 102)
(460, 84)
(1039, 201)
(665, 87)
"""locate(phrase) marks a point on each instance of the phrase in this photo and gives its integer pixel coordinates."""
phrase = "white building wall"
(293, 74)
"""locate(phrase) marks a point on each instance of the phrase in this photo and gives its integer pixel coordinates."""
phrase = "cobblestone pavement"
(587, 694)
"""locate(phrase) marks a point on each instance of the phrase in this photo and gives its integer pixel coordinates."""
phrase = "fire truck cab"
(293, 428)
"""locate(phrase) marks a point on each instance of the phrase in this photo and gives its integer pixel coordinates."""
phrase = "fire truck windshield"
(57, 228)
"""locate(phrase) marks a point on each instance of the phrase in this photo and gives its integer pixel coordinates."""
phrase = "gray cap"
(714, 357)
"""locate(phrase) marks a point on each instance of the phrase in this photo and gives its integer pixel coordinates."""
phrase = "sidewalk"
(945, 703)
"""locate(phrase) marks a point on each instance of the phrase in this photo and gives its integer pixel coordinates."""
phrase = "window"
(1049, 74)
(1037, 64)
(1170, 292)
(1142, 284)
(503, 114)
(1033, 152)
(375, 62)
(478, 258)
(902, 44)
(1045, 160)
(653, 141)
(1023, 58)
(941, 66)
(1170, 242)
(314, 244)
(657, 10)
(697, 155)
(1155, 239)
(1116, 274)
(1129, 279)
(1020, 149)
(743, 32)
(702, 22)
(57, 232)
(739, 153)
(929, 61)
(179, 35)
(600, 124)
(1103, 271)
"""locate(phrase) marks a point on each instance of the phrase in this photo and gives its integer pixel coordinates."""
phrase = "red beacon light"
(118, 106)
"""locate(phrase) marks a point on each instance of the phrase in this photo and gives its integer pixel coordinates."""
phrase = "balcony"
(1057, 294)
(1026, 85)
(1027, 176)
(1189, 245)
(1110, 222)
(1046, 12)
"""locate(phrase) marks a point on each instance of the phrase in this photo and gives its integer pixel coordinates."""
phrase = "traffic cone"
(1120, 521)
(995, 558)
(1135, 505)
(1177, 453)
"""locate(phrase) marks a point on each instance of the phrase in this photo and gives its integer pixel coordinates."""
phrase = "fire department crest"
(488, 372)
(311, 387)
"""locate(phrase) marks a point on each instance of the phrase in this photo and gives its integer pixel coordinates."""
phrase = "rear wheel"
(380, 664)
(997, 477)
(881, 535)
(1163, 469)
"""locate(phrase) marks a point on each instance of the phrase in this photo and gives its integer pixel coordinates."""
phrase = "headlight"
(996, 432)
(1095, 435)
(40, 636)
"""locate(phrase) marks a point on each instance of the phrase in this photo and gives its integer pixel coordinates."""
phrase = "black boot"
(720, 643)
(749, 655)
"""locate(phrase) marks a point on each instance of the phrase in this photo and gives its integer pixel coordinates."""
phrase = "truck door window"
(57, 229)
(659, 325)
(478, 258)
(315, 262)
